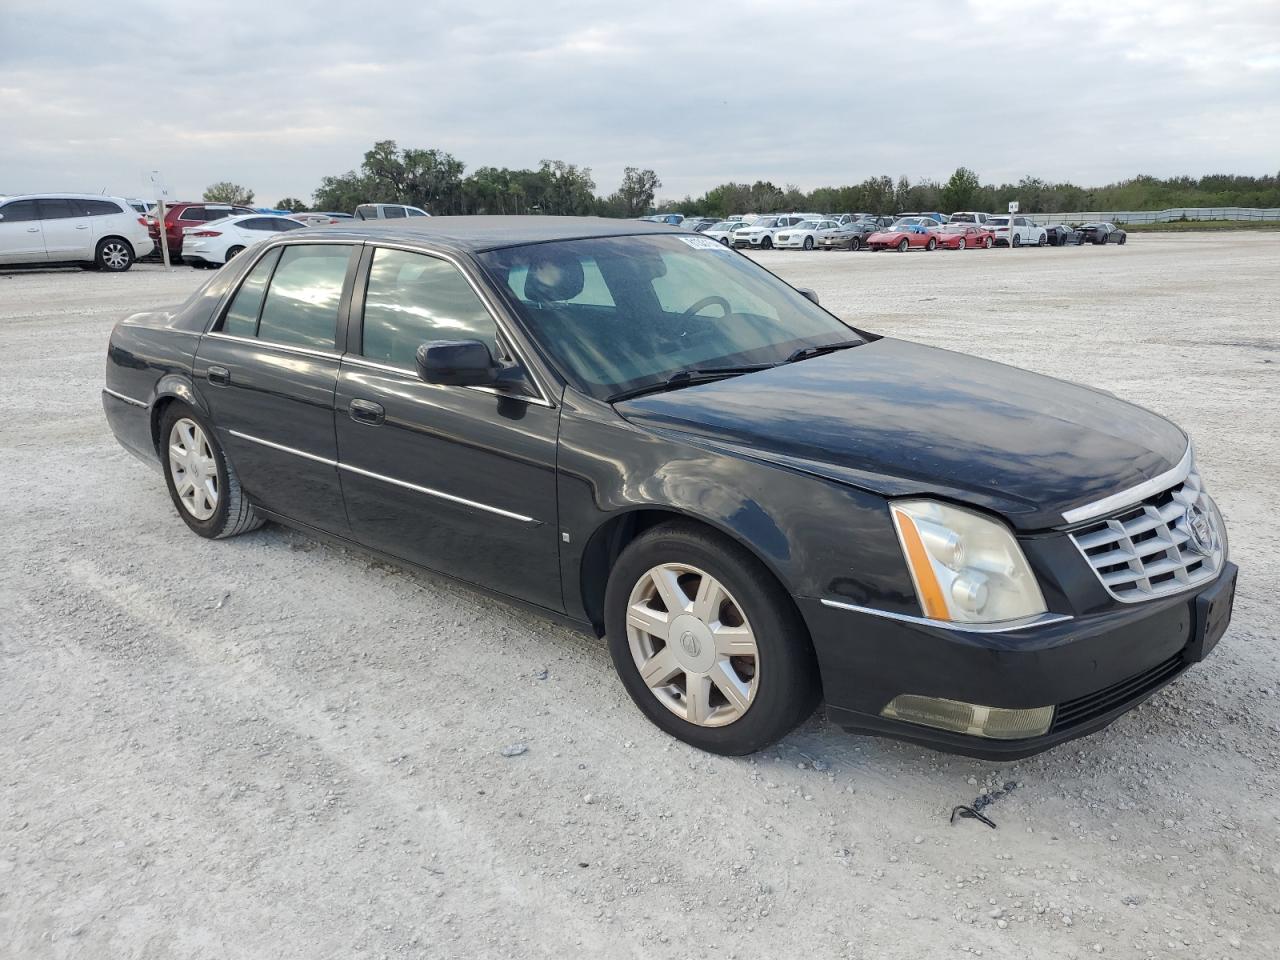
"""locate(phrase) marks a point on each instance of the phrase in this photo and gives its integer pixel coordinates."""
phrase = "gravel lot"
(271, 748)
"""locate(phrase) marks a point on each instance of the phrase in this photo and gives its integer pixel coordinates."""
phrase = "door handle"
(33, 229)
(366, 411)
(82, 226)
(220, 376)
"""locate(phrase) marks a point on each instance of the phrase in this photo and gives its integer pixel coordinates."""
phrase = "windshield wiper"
(687, 378)
(804, 353)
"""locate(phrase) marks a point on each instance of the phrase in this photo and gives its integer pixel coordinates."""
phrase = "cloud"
(275, 96)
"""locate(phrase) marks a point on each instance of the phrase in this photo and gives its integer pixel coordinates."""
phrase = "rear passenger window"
(242, 316)
(93, 208)
(393, 213)
(20, 211)
(412, 298)
(193, 213)
(56, 209)
(301, 308)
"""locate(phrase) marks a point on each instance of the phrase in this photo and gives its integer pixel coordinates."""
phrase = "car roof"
(63, 196)
(480, 233)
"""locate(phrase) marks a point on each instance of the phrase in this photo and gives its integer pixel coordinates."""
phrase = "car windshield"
(616, 314)
(904, 224)
(725, 225)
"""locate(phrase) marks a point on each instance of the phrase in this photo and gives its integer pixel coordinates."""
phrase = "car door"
(267, 370)
(458, 479)
(66, 235)
(21, 232)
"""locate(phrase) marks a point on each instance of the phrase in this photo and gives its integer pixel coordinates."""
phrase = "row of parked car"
(856, 231)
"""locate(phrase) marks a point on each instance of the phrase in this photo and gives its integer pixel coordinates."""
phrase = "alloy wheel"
(194, 469)
(114, 255)
(692, 645)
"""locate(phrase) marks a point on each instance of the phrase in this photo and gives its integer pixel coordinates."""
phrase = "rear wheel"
(903, 244)
(1016, 241)
(932, 244)
(987, 243)
(232, 252)
(201, 480)
(113, 254)
(706, 641)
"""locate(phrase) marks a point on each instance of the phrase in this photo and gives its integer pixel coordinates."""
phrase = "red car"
(180, 216)
(904, 234)
(961, 236)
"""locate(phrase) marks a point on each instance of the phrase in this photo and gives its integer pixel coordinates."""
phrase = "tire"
(113, 254)
(1123, 238)
(777, 684)
(725, 241)
(232, 512)
(1042, 240)
(931, 245)
(855, 244)
(808, 243)
(960, 245)
(903, 244)
(987, 243)
(232, 253)
(766, 243)
(1015, 241)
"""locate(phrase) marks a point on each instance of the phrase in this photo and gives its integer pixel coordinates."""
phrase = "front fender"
(820, 538)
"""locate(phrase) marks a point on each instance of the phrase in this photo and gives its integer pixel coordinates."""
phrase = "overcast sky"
(275, 95)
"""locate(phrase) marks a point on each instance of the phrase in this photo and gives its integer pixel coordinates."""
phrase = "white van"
(388, 211)
(98, 233)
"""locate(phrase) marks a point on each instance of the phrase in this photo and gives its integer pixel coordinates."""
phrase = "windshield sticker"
(703, 243)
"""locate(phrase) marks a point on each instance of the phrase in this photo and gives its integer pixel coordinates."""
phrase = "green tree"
(635, 196)
(292, 204)
(224, 191)
(961, 191)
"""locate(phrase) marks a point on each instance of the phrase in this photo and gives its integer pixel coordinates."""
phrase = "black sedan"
(849, 236)
(1102, 233)
(651, 436)
(1062, 235)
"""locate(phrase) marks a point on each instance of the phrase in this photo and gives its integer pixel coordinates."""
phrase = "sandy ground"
(269, 748)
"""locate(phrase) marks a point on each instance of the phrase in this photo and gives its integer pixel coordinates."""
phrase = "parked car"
(756, 504)
(1102, 233)
(388, 211)
(1062, 235)
(960, 236)
(1025, 233)
(760, 232)
(336, 215)
(970, 216)
(141, 206)
(722, 231)
(672, 219)
(314, 219)
(905, 234)
(96, 232)
(843, 218)
(698, 224)
(213, 244)
(849, 236)
(803, 235)
(934, 216)
(181, 216)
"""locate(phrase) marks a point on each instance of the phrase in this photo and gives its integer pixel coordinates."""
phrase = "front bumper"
(747, 241)
(1091, 668)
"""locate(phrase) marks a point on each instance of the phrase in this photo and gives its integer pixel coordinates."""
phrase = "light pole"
(158, 182)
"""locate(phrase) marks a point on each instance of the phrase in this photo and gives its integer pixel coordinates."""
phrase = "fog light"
(998, 723)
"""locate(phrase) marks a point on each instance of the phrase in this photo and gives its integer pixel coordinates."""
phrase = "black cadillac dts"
(642, 431)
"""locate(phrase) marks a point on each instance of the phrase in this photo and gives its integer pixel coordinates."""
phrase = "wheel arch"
(616, 532)
(172, 388)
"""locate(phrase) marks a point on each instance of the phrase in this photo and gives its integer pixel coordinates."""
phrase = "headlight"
(966, 567)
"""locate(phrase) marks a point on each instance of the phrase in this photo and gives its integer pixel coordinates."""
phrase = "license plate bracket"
(1213, 616)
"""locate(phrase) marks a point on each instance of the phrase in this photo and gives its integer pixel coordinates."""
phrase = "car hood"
(900, 418)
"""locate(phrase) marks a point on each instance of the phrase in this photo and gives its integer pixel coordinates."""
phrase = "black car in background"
(649, 435)
(851, 235)
(1102, 233)
(1062, 235)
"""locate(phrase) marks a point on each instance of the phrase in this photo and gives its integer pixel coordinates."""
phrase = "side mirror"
(458, 363)
(807, 294)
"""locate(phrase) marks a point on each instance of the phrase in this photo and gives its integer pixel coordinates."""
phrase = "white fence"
(1157, 216)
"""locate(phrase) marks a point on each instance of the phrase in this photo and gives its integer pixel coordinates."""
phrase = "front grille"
(1164, 545)
(1082, 709)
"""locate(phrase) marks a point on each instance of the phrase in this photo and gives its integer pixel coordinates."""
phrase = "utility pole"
(158, 181)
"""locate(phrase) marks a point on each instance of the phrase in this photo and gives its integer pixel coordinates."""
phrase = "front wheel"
(960, 244)
(706, 641)
(1123, 238)
(1042, 241)
(1016, 241)
(902, 245)
(201, 480)
(766, 243)
(808, 243)
(854, 244)
(114, 254)
(725, 241)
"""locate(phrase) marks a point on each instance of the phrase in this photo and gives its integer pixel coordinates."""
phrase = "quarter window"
(301, 308)
(241, 319)
(257, 223)
(411, 299)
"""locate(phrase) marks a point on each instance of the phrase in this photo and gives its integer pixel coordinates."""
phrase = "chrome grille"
(1161, 546)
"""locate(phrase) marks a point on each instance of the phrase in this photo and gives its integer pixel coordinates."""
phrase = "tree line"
(438, 182)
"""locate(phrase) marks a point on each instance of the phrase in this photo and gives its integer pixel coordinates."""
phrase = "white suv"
(103, 233)
(760, 233)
